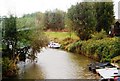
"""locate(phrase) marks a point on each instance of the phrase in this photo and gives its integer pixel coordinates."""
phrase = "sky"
(20, 7)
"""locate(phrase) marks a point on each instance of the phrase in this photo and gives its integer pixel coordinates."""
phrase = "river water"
(57, 64)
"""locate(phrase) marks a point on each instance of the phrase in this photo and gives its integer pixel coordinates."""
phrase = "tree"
(54, 19)
(83, 17)
(39, 20)
(33, 37)
(15, 44)
(9, 46)
(104, 15)
(69, 25)
(27, 20)
(9, 34)
(38, 40)
(31, 30)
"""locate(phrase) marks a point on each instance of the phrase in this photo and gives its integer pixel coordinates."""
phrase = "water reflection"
(58, 64)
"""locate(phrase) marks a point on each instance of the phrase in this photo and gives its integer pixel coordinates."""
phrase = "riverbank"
(100, 48)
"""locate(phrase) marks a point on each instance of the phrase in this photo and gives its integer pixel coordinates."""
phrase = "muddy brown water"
(57, 64)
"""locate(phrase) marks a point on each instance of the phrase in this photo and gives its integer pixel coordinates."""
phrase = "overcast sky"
(20, 7)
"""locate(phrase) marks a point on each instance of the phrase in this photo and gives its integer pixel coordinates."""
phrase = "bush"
(75, 47)
(67, 42)
(102, 50)
(100, 35)
(9, 69)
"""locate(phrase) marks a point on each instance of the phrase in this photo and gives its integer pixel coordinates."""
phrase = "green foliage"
(89, 17)
(27, 20)
(5, 64)
(8, 69)
(16, 42)
(9, 34)
(75, 47)
(54, 19)
(36, 38)
(83, 17)
(33, 37)
(39, 20)
(49, 20)
(99, 35)
(37, 41)
(60, 35)
(9, 46)
(67, 42)
(102, 50)
(104, 15)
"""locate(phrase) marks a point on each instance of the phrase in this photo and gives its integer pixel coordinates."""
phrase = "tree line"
(83, 18)
(89, 17)
(53, 20)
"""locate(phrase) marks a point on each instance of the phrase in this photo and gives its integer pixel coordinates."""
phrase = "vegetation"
(89, 21)
(17, 42)
(116, 59)
(9, 34)
(104, 15)
(59, 36)
(83, 17)
(91, 17)
(9, 45)
(54, 20)
(99, 49)
(27, 20)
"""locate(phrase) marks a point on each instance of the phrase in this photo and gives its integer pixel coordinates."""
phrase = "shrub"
(75, 47)
(9, 69)
(100, 35)
(102, 50)
(66, 43)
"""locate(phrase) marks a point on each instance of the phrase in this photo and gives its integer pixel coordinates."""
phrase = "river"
(57, 64)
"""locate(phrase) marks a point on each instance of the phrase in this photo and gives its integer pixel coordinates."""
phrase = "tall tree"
(38, 40)
(104, 15)
(54, 19)
(83, 17)
(9, 34)
(16, 43)
(9, 46)
(32, 37)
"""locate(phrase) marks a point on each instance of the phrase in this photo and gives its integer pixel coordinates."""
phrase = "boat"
(54, 45)
(96, 65)
(106, 71)
(109, 74)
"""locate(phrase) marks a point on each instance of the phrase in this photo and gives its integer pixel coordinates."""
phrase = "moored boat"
(106, 71)
(93, 66)
(111, 74)
(53, 45)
